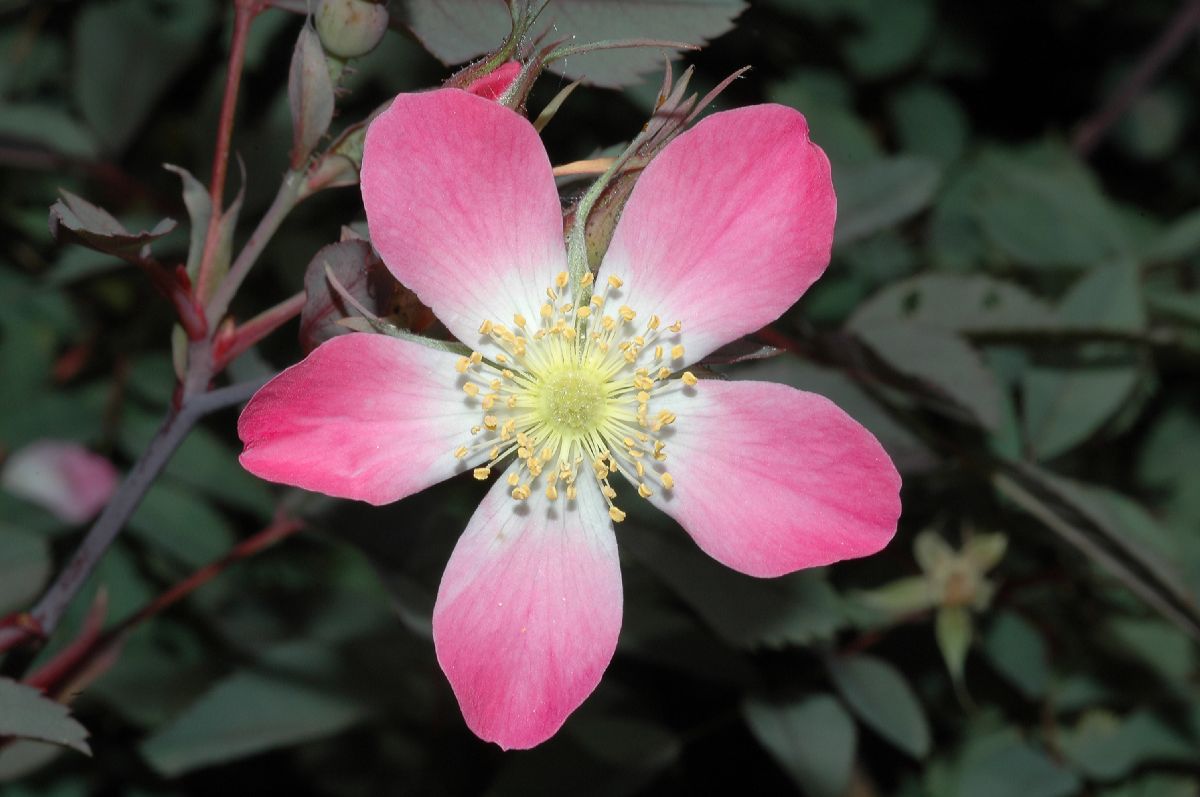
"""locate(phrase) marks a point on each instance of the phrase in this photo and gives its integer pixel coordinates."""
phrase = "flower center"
(572, 402)
(573, 392)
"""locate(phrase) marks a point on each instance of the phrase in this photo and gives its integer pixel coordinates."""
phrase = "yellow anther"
(507, 374)
(627, 313)
(631, 355)
(481, 473)
(568, 333)
(500, 358)
(608, 491)
(640, 468)
(583, 312)
(658, 351)
(677, 351)
(566, 308)
(639, 340)
(495, 452)
(598, 300)
(608, 322)
(668, 483)
(644, 491)
(511, 402)
(616, 514)
(462, 365)
(653, 322)
(562, 279)
(519, 320)
(588, 279)
(476, 358)
(615, 281)
(476, 429)
(629, 442)
(666, 417)
(547, 454)
(486, 328)
(551, 492)
(643, 397)
(489, 401)
(689, 378)
(663, 373)
(547, 310)
(460, 452)
(513, 479)
(520, 493)
(490, 422)
(471, 389)
(643, 382)
(522, 452)
(571, 492)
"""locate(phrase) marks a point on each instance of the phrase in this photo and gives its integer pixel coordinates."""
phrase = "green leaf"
(1105, 747)
(76, 220)
(889, 35)
(939, 358)
(954, 631)
(929, 122)
(959, 303)
(1179, 240)
(174, 519)
(49, 127)
(248, 713)
(882, 193)
(812, 740)
(24, 567)
(1156, 785)
(1066, 404)
(204, 463)
(1043, 208)
(1015, 648)
(1002, 765)
(882, 698)
(127, 53)
(462, 30)
(745, 611)
(26, 714)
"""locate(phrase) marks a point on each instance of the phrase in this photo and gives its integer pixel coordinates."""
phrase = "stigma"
(580, 390)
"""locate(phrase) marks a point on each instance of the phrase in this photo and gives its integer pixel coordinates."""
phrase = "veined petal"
(363, 416)
(727, 227)
(770, 479)
(528, 612)
(461, 204)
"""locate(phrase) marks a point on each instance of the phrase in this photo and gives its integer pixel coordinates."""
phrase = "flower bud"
(350, 28)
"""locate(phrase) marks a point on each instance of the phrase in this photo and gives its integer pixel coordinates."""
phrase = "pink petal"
(770, 479)
(65, 478)
(490, 87)
(528, 612)
(461, 204)
(727, 227)
(363, 416)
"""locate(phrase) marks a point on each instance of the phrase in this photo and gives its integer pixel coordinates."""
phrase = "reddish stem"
(1169, 42)
(227, 347)
(92, 647)
(244, 12)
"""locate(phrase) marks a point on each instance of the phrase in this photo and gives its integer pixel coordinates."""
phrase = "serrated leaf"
(75, 219)
(26, 714)
(882, 193)
(882, 698)
(457, 32)
(812, 740)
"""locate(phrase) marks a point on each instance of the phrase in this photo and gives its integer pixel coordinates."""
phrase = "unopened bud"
(350, 28)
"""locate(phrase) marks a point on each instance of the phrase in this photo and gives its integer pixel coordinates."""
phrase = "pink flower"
(724, 231)
(64, 478)
(494, 84)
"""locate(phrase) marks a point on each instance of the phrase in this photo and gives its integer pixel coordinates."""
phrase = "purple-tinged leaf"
(76, 220)
(459, 31)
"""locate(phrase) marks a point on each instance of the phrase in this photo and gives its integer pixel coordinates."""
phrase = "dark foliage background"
(1016, 319)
